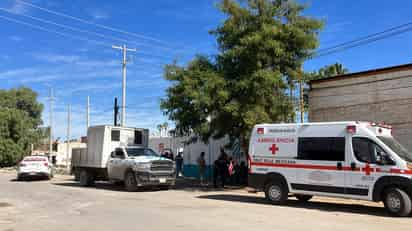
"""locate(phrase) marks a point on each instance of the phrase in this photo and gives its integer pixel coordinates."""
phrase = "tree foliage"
(262, 46)
(329, 71)
(20, 116)
(323, 73)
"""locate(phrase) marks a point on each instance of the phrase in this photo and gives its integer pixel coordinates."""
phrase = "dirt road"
(61, 205)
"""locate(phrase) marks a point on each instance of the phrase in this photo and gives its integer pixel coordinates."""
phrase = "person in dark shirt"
(179, 164)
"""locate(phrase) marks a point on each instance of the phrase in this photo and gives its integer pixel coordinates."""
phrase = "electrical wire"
(34, 26)
(71, 28)
(54, 31)
(93, 23)
(364, 40)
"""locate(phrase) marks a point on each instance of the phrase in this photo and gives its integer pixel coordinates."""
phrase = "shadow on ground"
(31, 179)
(193, 185)
(180, 185)
(311, 205)
(105, 186)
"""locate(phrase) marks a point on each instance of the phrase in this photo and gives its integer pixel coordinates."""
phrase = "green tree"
(262, 46)
(20, 116)
(323, 73)
(329, 71)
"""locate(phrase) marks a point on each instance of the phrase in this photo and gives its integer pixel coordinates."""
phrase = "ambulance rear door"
(274, 150)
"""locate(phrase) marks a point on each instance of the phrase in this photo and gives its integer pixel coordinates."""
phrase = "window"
(141, 152)
(397, 148)
(138, 137)
(119, 153)
(367, 151)
(115, 135)
(322, 148)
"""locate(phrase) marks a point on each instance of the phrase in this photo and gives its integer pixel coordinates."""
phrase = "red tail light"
(351, 129)
(260, 131)
(46, 164)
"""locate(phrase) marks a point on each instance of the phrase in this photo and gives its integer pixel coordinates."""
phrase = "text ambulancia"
(357, 160)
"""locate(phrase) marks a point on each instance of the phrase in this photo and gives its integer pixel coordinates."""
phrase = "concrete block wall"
(385, 97)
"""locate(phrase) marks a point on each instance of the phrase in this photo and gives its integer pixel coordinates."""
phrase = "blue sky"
(163, 30)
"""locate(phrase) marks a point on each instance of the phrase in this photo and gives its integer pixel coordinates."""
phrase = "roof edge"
(402, 67)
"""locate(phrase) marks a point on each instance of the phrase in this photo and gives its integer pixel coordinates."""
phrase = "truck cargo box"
(102, 140)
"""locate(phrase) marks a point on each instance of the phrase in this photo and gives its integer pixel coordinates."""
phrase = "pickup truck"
(121, 155)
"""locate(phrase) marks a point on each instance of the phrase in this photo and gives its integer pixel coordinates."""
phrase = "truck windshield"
(397, 148)
(141, 152)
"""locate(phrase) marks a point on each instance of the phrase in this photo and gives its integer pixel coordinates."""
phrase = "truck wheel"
(85, 178)
(276, 192)
(397, 202)
(76, 175)
(303, 198)
(130, 182)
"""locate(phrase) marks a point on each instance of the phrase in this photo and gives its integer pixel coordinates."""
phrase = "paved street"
(61, 205)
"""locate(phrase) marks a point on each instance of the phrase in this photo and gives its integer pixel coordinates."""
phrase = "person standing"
(179, 164)
(223, 167)
(201, 163)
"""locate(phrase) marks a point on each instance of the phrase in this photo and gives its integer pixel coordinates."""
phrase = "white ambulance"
(358, 160)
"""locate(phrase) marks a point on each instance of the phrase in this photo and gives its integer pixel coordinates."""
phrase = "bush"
(10, 153)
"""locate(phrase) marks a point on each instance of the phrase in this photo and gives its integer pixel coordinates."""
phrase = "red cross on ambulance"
(367, 169)
(273, 149)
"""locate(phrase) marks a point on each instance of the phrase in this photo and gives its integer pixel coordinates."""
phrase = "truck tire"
(303, 198)
(397, 202)
(76, 175)
(85, 178)
(276, 192)
(130, 182)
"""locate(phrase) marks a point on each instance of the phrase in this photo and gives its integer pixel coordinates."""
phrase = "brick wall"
(383, 97)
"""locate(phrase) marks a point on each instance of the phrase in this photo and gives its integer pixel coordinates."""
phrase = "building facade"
(380, 95)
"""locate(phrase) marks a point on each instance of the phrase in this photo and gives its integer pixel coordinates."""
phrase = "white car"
(35, 167)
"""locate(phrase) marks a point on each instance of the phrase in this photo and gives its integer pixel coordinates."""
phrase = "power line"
(365, 40)
(54, 31)
(93, 23)
(365, 37)
(67, 27)
(84, 31)
(34, 26)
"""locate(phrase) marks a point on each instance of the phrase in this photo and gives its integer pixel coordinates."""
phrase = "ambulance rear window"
(322, 148)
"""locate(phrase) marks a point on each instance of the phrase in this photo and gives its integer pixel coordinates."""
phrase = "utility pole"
(87, 114)
(124, 62)
(68, 134)
(301, 102)
(51, 102)
(116, 112)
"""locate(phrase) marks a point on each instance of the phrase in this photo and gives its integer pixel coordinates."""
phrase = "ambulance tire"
(276, 192)
(397, 202)
(303, 198)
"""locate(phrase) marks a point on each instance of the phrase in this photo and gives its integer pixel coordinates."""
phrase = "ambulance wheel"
(130, 181)
(303, 198)
(397, 202)
(276, 192)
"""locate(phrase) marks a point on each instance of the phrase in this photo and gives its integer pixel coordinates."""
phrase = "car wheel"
(276, 192)
(303, 198)
(130, 182)
(397, 202)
